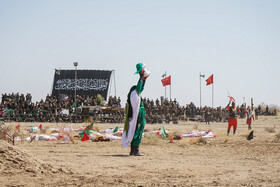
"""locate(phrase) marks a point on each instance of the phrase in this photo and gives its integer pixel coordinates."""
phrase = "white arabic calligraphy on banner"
(82, 84)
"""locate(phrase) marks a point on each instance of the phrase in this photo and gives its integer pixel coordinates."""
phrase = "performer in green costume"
(135, 113)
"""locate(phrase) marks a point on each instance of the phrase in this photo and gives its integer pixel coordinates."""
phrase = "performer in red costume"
(250, 115)
(232, 119)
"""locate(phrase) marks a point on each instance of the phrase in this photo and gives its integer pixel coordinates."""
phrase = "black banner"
(89, 82)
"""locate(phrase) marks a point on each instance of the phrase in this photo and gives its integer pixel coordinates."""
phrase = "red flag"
(231, 99)
(166, 81)
(17, 127)
(40, 126)
(209, 80)
(85, 137)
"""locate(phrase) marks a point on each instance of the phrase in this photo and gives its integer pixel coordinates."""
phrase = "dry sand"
(223, 161)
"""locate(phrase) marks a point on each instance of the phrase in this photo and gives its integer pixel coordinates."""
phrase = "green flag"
(91, 124)
(31, 130)
(116, 129)
(163, 133)
(86, 131)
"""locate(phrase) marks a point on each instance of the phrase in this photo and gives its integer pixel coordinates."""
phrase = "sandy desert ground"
(222, 161)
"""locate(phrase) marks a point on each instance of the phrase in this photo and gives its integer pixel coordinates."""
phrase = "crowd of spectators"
(114, 101)
(20, 108)
(170, 111)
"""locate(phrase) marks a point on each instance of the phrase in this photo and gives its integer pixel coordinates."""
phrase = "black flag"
(89, 82)
(251, 135)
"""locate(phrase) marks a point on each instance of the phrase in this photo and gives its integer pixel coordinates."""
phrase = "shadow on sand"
(116, 155)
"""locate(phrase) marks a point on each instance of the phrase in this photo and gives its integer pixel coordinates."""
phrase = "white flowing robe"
(135, 101)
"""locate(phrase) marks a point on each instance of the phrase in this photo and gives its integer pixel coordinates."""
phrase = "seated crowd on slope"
(20, 108)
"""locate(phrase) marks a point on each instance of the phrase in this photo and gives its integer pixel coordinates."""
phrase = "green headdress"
(139, 67)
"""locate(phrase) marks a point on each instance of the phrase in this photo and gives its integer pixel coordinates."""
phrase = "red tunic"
(232, 119)
(249, 117)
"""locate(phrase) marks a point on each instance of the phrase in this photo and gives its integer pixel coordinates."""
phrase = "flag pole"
(200, 87)
(213, 94)
(165, 85)
(170, 89)
(115, 83)
(200, 75)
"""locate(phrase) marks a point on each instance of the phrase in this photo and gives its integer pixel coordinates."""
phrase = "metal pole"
(59, 87)
(110, 86)
(115, 84)
(200, 87)
(75, 90)
(170, 89)
(165, 85)
(213, 94)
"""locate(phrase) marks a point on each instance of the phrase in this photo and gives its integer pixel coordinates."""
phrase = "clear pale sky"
(236, 40)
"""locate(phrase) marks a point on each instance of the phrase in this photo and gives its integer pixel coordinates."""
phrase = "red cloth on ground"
(85, 137)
